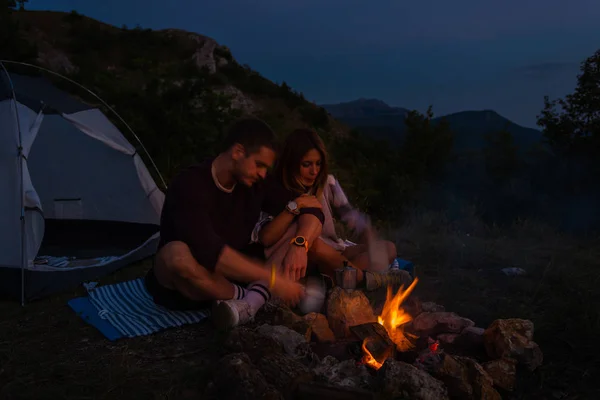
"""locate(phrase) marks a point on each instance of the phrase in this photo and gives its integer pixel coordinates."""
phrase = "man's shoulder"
(195, 172)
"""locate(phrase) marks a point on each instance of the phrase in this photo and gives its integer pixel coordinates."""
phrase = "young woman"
(301, 182)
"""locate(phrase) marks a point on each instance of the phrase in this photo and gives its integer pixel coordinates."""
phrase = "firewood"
(379, 343)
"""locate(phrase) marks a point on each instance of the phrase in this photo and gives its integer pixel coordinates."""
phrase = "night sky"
(456, 55)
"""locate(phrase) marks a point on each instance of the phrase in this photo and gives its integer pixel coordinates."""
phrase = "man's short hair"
(252, 133)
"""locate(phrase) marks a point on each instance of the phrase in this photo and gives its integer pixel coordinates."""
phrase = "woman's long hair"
(296, 145)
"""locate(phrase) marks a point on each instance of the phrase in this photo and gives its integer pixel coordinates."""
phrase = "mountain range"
(380, 120)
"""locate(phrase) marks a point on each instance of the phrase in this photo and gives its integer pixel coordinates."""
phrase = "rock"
(247, 340)
(513, 338)
(283, 372)
(235, 377)
(319, 328)
(286, 317)
(471, 336)
(432, 307)
(239, 100)
(465, 378)
(346, 309)
(503, 372)
(402, 380)
(434, 323)
(289, 339)
(347, 374)
(447, 339)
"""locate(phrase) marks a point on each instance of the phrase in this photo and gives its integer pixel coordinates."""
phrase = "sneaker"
(393, 277)
(227, 314)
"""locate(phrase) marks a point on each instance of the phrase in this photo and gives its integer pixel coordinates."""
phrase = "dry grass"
(47, 352)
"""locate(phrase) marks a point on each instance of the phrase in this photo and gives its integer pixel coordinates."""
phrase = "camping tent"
(77, 202)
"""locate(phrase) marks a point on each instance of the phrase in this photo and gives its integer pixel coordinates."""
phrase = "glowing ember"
(368, 357)
(393, 316)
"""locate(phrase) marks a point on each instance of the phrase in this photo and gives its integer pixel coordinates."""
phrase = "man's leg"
(177, 269)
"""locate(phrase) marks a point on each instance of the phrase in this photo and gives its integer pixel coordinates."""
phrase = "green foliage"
(572, 125)
(383, 180)
(501, 156)
(13, 46)
(427, 146)
(314, 116)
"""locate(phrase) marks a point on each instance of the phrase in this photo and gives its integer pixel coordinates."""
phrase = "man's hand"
(290, 291)
(308, 201)
(294, 262)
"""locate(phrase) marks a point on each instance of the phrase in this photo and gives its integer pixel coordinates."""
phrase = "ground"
(47, 352)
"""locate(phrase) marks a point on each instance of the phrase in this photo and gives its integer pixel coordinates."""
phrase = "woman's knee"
(391, 250)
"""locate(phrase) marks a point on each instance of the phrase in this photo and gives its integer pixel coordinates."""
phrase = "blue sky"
(456, 55)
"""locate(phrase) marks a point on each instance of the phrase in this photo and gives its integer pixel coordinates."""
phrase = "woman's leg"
(329, 259)
(359, 255)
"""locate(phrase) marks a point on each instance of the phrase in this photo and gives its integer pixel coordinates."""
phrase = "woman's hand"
(308, 201)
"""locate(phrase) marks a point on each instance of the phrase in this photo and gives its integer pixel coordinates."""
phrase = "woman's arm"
(272, 231)
(346, 212)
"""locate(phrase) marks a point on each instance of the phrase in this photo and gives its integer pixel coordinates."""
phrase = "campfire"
(393, 318)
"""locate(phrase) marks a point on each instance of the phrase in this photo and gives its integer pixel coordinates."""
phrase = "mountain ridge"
(382, 121)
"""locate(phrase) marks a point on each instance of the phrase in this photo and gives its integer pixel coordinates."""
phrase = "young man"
(207, 220)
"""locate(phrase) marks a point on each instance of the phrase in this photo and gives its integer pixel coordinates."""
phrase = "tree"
(21, 4)
(427, 145)
(572, 125)
(501, 156)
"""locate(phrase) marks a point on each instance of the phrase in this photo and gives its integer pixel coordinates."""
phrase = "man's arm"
(193, 226)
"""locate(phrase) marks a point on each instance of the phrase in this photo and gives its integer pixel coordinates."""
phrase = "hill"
(177, 89)
(382, 121)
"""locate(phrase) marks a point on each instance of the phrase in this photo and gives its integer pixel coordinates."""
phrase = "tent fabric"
(76, 170)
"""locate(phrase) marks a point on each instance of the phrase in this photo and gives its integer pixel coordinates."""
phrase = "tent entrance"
(83, 239)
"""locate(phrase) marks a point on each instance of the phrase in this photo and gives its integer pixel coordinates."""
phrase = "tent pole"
(21, 192)
(105, 105)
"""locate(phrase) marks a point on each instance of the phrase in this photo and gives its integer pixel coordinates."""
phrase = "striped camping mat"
(130, 309)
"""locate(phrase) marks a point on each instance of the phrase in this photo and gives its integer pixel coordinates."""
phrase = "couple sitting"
(232, 237)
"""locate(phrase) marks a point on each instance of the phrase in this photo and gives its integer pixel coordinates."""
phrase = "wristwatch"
(292, 207)
(300, 241)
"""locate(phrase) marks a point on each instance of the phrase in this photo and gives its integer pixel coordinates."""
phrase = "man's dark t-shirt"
(206, 218)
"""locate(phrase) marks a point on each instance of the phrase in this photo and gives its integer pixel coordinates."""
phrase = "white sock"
(238, 292)
(257, 295)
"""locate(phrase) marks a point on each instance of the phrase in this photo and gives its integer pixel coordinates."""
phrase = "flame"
(393, 316)
(368, 357)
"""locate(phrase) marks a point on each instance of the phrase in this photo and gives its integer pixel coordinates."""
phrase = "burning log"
(376, 343)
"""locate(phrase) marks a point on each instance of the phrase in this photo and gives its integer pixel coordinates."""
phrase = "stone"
(432, 307)
(513, 338)
(289, 339)
(346, 374)
(435, 323)
(465, 378)
(471, 336)
(503, 372)
(283, 372)
(346, 309)
(319, 328)
(402, 380)
(249, 341)
(286, 317)
(235, 377)
(447, 339)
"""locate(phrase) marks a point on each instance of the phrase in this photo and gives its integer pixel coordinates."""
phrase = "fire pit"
(347, 349)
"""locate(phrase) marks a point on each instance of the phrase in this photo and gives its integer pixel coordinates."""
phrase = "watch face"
(292, 205)
(300, 240)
